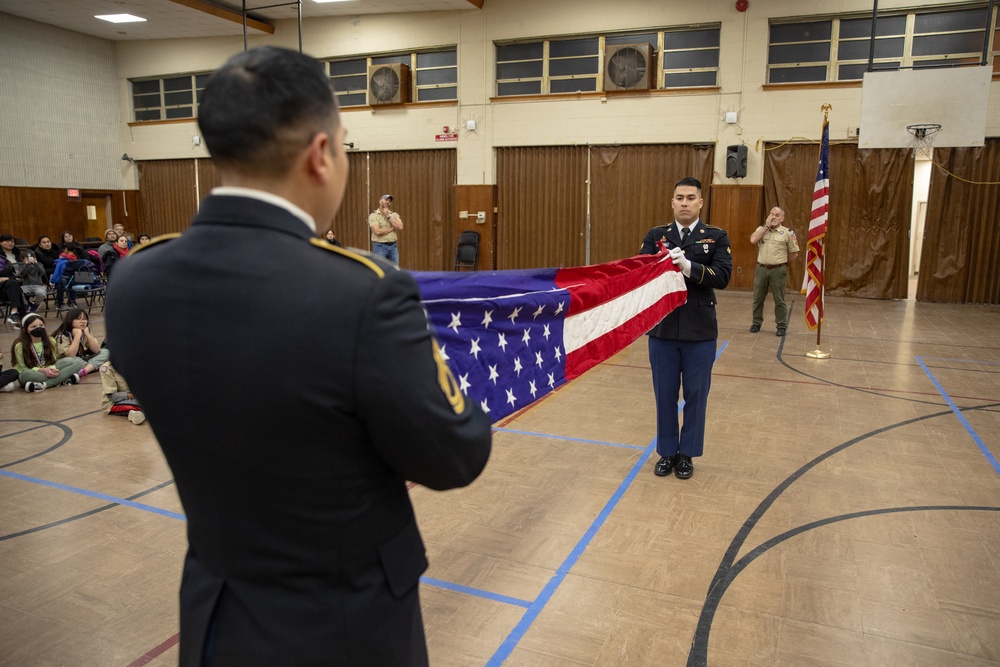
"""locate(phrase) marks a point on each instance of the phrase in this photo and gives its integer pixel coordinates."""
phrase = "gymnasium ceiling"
(171, 19)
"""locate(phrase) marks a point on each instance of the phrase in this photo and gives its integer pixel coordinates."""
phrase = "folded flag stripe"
(510, 337)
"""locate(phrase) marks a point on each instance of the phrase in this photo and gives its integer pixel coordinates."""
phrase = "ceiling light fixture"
(326, 1)
(120, 18)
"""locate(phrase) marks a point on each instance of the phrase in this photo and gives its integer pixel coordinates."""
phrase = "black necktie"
(684, 234)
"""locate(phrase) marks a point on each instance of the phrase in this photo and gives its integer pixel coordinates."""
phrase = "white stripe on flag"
(590, 325)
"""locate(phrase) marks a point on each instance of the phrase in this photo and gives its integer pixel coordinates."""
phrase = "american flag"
(510, 337)
(815, 280)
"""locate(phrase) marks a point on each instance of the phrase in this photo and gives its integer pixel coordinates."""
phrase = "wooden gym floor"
(846, 512)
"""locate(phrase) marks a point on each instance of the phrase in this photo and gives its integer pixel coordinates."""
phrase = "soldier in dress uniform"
(776, 248)
(682, 345)
(303, 545)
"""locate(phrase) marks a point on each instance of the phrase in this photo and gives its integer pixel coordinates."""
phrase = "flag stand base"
(818, 354)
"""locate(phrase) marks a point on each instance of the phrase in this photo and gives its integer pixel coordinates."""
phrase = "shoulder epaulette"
(153, 241)
(714, 227)
(350, 254)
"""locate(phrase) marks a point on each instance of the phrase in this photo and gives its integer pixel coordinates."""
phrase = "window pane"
(431, 94)
(345, 83)
(798, 53)
(437, 59)
(631, 39)
(947, 62)
(519, 88)
(388, 60)
(800, 32)
(526, 70)
(201, 79)
(177, 83)
(686, 59)
(942, 45)
(530, 51)
(797, 74)
(572, 85)
(573, 47)
(688, 79)
(690, 39)
(858, 49)
(887, 25)
(198, 96)
(573, 66)
(429, 77)
(140, 87)
(172, 99)
(857, 72)
(145, 101)
(969, 19)
(149, 114)
(180, 112)
(353, 100)
(340, 67)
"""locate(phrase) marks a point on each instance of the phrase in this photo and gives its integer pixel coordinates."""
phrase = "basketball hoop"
(923, 138)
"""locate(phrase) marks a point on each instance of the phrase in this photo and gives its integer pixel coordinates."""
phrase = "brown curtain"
(542, 206)
(422, 183)
(630, 192)
(960, 261)
(871, 193)
(167, 195)
(351, 223)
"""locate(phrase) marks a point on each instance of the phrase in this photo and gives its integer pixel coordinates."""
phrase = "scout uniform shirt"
(776, 245)
(376, 218)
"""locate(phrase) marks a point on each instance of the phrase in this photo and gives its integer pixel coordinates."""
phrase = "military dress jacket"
(711, 259)
(291, 465)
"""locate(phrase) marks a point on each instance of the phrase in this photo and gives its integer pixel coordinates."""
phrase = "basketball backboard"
(957, 98)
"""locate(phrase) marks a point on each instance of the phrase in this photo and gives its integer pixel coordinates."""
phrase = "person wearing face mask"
(35, 356)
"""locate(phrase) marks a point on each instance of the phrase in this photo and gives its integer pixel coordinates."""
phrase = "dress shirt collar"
(270, 198)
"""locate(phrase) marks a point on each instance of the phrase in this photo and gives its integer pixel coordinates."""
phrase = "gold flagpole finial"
(826, 109)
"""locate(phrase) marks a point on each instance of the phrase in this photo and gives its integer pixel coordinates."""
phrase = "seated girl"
(74, 339)
(117, 399)
(34, 356)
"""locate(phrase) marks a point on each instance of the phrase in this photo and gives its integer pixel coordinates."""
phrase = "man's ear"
(316, 158)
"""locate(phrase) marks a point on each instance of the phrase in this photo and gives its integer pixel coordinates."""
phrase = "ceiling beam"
(227, 14)
(477, 3)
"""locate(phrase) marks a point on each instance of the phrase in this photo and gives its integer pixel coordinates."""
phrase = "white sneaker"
(34, 386)
(136, 417)
(9, 386)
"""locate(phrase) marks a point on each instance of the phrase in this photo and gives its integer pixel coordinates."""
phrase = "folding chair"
(467, 255)
(87, 285)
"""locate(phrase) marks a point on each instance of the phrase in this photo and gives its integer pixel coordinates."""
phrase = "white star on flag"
(538, 312)
(463, 383)
(493, 374)
(510, 397)
(475, 348)
(531, 388)
(456, 321)
(487, 318)
(517, 366)
(513, 315)
(502, 343)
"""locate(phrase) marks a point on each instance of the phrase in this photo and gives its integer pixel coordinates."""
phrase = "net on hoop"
(923, 138)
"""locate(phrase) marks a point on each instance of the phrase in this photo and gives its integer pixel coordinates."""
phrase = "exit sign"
(73, 195)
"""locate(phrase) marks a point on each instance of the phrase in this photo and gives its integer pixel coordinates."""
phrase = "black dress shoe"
(780, 332)
(684, 468)
(664, 466)
(754, 328)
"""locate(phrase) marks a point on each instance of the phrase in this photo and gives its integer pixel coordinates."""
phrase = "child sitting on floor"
(117, 399)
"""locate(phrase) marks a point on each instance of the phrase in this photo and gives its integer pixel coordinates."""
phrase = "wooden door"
(97, 211)
(739, 209)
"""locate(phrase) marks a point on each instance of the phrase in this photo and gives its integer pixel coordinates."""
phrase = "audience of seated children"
(34, 355)
(74, 339)
(34, 281)
(117, 399)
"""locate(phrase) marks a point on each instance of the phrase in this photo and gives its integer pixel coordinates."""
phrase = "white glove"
(680, 261)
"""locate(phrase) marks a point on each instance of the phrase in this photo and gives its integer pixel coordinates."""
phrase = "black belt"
(386, 243)
(771, 266)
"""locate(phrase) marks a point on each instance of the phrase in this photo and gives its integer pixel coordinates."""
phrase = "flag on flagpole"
(815, 279)
(510, 337)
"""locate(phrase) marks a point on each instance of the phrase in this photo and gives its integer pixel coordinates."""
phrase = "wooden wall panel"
(31, 212)
(542, 202)
(168, 195)
(351, 223)
(739, 209)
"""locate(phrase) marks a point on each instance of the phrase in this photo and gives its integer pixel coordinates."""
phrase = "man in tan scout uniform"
(776, 247)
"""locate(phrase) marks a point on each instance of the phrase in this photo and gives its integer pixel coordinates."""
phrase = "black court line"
(727, 570)
(41, 423)
(83, 515)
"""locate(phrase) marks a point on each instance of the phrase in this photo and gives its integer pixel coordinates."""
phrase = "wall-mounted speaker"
(736, 161)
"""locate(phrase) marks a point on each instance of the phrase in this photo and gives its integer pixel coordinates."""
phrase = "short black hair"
(262, 107)
(689, 181)
(6, 237)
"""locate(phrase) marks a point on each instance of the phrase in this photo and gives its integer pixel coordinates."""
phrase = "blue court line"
(94, 494)
(468, 590)
(515, 636)
(961, 418)
(568, 439)
(964, 361)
